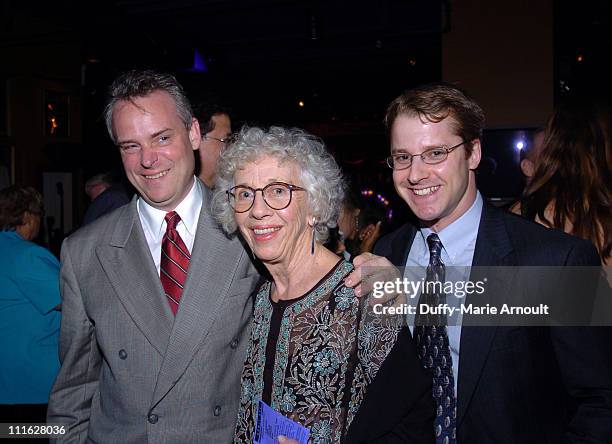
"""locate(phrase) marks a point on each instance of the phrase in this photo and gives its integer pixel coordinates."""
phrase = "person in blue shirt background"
(29, 309)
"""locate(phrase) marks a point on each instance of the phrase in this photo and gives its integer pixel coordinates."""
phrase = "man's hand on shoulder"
(370, 268)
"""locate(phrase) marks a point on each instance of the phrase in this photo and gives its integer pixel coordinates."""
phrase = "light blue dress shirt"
(458, 244)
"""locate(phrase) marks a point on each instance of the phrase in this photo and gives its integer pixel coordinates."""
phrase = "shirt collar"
(457, 237)
(188, 210)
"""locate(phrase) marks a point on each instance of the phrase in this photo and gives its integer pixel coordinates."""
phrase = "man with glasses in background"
(491, 383)
(216, 128)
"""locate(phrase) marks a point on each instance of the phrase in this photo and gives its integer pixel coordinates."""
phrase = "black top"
(278, 308)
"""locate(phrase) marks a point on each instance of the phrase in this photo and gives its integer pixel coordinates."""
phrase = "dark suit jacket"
(112, 198)
(527, 384)
(398, 407)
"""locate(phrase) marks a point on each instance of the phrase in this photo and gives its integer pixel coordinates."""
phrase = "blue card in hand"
(271, 424)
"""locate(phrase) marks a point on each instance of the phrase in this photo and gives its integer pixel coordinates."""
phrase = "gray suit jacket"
(133, 373)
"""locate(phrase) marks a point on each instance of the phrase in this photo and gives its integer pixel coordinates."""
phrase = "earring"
(312, 244)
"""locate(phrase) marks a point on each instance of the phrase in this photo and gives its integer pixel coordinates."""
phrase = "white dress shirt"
(154, 224)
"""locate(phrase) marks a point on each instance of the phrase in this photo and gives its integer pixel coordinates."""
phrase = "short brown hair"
(435, 102)
(15, 201)
(134, 83)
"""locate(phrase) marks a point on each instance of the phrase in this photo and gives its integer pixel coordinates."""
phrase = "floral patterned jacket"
(329, 349)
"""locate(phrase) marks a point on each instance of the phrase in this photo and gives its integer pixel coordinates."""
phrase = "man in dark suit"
(106, 195)
(505, 384)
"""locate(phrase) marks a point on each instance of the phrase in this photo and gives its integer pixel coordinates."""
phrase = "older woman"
(315, 355)
(29, 300)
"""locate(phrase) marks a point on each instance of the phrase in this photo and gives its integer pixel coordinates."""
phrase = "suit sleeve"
(398, 407)
(416, 421)
(77, 381)
(585, 362)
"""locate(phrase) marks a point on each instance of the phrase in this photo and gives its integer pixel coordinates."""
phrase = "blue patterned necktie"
(434, 350)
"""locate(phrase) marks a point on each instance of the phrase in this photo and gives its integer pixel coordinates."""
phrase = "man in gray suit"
(142, 362)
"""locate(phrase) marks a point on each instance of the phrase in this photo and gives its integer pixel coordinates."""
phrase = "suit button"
(217, 411)
(234, 343)
(153, 418)
(122, 354)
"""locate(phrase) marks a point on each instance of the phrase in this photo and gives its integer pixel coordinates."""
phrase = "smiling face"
(156, 148)
(437, 194)
(275, 236)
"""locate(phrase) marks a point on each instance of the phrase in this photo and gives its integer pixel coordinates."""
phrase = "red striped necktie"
(174, 261)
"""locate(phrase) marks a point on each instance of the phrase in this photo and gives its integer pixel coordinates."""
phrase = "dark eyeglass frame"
(291, 187)
(224, 140)
(391, 159)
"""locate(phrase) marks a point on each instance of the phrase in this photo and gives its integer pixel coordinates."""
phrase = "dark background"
(345, 60)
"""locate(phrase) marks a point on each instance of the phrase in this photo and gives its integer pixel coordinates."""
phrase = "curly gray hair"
(319, 172)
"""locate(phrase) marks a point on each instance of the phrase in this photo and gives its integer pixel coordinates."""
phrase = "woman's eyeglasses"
(277, 195)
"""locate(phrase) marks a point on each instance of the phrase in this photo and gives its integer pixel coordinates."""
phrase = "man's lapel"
(214, 262)
(127, 262)
(401, 245)
(493, 248)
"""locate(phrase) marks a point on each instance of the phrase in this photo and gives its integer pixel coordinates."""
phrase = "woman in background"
(571, 188)
(316, 354)
(29, 309)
